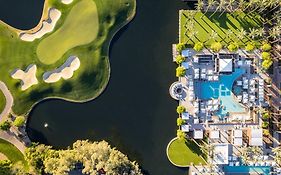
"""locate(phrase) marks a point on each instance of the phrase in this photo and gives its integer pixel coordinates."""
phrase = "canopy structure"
(214, 134)
(225, 65)
(221, 153)
(255, 138)
(198, 134)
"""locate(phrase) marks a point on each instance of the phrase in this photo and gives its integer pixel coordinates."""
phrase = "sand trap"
(3, 157)
(27, 77)
(66, 1)
(47, 26)
(65, 71)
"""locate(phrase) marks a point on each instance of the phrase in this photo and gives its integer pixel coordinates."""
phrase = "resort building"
(222, 94)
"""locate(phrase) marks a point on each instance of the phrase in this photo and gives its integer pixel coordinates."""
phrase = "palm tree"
(210, 4)
(245, 155)
(252, 33)
(256, 152)
(275, 33)
(228, 34)
(277, 154)
(218, 7)
(241, 34)
(200, 5)
(181, 135)
(224, 5)
(213, 35)
(192, 34)
(260, 32)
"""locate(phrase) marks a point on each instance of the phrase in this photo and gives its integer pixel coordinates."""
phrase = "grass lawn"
(205, 24)
(76, 30)
(2, 101)
(183, 153)
(92, 76)
(12, 153)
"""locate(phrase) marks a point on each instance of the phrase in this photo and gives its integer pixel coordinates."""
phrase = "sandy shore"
(47, 26)
(27, 77)
(65, 71)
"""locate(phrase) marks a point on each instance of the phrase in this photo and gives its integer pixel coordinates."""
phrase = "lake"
(135, 113)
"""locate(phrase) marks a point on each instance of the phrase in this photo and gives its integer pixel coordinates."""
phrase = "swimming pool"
(265, 170)
(221, 89)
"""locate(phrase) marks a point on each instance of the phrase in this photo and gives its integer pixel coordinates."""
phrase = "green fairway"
(12, 153)
(2, 101)
(221, 24)
(101, 18)
(77, 30)
(183, 153)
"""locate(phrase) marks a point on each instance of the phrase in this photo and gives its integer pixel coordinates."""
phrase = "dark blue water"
(135, 113)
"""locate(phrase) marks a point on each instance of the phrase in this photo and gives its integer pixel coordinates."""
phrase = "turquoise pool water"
(265, 170)
(221, 89)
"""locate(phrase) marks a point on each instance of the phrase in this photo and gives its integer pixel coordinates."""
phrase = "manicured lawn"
(12, 153)
(76, 30)
(205, 24)
(92, 76)
(183, 153)
(2, 101)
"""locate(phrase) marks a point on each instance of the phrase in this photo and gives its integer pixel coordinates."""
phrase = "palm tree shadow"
(194, 148)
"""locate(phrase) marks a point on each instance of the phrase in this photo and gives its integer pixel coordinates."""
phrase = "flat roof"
(214, 134)
(225, 65)
(221, 153)
(198, 134)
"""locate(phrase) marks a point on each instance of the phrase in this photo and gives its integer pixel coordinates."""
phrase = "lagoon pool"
(222, 90)
(262, 170)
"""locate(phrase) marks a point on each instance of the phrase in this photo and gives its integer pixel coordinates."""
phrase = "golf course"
(86, 36)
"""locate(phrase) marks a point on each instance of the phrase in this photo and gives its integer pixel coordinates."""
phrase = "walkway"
(9, 101)
(8, 136)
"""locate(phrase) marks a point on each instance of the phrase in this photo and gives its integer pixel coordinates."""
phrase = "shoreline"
(43, 17)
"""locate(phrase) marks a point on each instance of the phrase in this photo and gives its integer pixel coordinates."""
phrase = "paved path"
(8, 136)
(9, 101)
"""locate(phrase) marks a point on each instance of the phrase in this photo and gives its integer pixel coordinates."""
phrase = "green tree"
(265, 55)
(180, 109)
(198, 46)
(5, 126)
(180, 59)
(216, 46)
(267, 63)
(266, 47)
(181, 135)
(232, 47)
(180, 71)
(265, 124)
(180, 47)
(5, 167)
(180, 121)
(265, 116)
(250, 47)
(19, 121)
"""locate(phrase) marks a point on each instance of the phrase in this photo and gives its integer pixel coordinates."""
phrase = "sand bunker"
(27, 77)
(66, 1)
(47, 26)
(65, 71)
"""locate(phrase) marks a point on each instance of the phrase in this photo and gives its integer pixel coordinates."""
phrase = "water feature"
(135, 113)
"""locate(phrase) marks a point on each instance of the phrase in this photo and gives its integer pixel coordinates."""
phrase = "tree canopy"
(19, 121)
(198, 46)
(95, 157)
(250, 47)
(180, 59)
(180, 71)
(180, 109)
(233, 47)
(216, 46)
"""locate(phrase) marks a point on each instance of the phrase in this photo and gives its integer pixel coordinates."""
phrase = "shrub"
(180, 71)
(180, 109)
(216, 46)
(266, 64)
(5, 126)
(180, 121)
(19, 121)
(180, 47)
(265, 125)
(266, 47)
(250, 47)
(180, 59)
(198, 46)
(233, 47)
(265, 55)
(181, 135)
(265, 116)
(265, 132)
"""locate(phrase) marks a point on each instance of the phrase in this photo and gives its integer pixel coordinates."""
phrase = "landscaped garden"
(221, 27)
(183, 153)
(12, 153)
(86, 36)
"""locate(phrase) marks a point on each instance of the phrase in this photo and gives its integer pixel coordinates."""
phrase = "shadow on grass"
(194, 148)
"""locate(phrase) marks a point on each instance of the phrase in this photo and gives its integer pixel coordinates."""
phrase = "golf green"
(80, 27)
